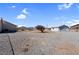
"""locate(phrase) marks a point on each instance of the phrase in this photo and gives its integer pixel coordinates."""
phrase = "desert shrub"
(40, 28)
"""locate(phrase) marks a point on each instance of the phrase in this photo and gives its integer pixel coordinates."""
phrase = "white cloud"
(65, 6)
(13, 6)
(21, 16)
(25, 11)
(74, 22)
(69, 22)
(20, 25)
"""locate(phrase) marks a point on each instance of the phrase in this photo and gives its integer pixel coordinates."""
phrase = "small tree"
(40, 28)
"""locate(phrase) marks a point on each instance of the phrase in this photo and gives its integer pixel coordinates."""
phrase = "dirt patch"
(27, 47)
(67, 47)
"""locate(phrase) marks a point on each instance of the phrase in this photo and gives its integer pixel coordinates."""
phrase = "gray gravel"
(34, 43)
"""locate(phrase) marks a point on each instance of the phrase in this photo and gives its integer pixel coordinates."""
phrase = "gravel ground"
(54, 43)
(34, 43)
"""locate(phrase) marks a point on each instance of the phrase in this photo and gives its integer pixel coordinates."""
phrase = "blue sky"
(47, 14)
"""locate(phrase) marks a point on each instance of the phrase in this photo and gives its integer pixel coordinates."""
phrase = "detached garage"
(7, 27)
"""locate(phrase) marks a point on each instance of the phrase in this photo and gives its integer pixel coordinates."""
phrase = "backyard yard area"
(36, 43)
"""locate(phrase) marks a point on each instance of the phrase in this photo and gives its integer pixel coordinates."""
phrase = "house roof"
(63, 27)
(7, 22)
(75, 26)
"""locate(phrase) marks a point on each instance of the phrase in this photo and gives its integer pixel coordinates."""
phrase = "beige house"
(7, 27)
(74, 28)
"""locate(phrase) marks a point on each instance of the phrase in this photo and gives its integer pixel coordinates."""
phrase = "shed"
(7, 26)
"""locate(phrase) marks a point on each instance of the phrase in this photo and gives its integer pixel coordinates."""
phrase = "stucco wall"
(54, 29)
(74, 30)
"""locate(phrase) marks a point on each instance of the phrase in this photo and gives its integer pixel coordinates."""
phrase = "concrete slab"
(5, 48)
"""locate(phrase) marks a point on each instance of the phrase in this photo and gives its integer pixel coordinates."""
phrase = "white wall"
(54, 29)
(7, 25)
